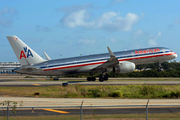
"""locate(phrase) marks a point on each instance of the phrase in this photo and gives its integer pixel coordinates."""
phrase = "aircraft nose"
(175, 55)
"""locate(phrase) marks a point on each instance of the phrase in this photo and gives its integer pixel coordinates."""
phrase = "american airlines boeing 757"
(118, 62)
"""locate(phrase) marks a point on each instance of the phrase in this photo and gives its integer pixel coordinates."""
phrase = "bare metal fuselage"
(87, 63)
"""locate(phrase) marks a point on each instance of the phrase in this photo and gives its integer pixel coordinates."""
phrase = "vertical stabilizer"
(24, 54)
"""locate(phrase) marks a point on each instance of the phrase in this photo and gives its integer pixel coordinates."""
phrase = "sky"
(69, 28)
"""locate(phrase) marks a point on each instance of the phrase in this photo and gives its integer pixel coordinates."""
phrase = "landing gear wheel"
(159, 67)
(91, 79)
(101, 78)
(106, 77)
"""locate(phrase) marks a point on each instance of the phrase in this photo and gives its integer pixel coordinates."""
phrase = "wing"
(109, 64)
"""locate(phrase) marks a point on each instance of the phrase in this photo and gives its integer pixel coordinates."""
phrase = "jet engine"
(124, 67)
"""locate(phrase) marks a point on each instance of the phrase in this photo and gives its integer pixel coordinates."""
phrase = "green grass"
(104, 91)
(163, 116)
(111, 79)
(145, 79)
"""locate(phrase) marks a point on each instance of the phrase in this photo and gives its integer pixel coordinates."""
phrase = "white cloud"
(139, 32)
(109, 21)
(153, 38)
(74, 8)
(140, 37)
(113, 22)
(117, 1)
(176, 22)
(6, 16)
(33, 39)
(42, 28)
(105, 19)
(113, 39)
(159, 33)
(86, 42)
(152, 42)
(76, 19)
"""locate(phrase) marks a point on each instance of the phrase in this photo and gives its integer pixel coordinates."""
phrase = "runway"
(88, 102)
(16, 80)
(71, 106)
(54, 83)
(90, 111)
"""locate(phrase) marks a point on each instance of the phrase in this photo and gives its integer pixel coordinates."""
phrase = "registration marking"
(58, 111)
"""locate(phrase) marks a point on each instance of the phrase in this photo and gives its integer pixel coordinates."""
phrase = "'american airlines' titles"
(147, 51)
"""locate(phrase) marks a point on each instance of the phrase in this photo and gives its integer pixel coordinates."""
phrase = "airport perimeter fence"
(79, 110)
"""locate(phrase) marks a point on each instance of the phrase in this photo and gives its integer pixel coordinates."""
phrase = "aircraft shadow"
(76, 81)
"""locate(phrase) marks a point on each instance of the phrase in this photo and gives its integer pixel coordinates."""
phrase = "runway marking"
(36, 84)
(58, 111)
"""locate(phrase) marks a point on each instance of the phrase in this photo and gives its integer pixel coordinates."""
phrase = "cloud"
(152, 42)
(113, 22)
(176, 22)
(34, 39)
(142, 38)
(110, 21)
(74, 8)
(113, 39)
(7, 16)
(76, 19)
(42, 28)
(159, 33)
(86, 42)
(153, 38)
(117, 1)
(139, 32)
(76, 16)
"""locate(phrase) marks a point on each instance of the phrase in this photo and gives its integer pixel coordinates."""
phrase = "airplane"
(118, 62)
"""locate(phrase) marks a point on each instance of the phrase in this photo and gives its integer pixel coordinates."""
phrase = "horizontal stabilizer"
(26, 69)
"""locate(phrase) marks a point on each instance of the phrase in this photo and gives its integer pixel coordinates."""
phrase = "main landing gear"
(102, 78)
(91, 78)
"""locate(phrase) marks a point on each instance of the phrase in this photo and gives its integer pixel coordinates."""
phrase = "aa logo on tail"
(27, 51)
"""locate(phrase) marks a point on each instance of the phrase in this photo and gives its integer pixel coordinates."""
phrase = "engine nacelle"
(124, 67)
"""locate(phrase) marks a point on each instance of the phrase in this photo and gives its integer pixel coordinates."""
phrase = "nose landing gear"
(159, 66)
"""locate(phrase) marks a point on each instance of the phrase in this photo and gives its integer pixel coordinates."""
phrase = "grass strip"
(97, 91)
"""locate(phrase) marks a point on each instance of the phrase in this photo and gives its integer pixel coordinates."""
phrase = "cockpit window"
(170, 50)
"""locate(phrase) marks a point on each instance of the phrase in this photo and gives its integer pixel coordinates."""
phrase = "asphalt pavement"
(54, 83)
(89, 111)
